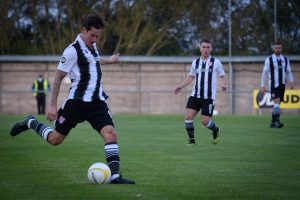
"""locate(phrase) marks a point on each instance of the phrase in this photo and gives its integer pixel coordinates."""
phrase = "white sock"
(29, 122)
(115, 176)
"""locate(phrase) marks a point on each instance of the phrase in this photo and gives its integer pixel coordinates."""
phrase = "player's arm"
(290, 75)
(112, 59)
(264, 76)
(224, 82)
(222, 75)
(187, 80)
(67, 61)
(59, 76)
(183, 84)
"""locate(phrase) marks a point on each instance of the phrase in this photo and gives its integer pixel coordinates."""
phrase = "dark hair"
(277, 43)
(92, 20)
(206, 41)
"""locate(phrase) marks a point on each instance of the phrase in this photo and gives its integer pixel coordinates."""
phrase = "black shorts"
(206, 105)
(75, 111)
(278, 92)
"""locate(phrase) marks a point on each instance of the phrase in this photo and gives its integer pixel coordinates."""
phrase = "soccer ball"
(99, 173)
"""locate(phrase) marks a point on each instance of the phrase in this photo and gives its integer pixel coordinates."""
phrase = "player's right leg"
(43, 130)
(192, 108)
(189, 124)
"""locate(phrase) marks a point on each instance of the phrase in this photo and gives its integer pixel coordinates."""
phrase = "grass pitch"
(252, 161)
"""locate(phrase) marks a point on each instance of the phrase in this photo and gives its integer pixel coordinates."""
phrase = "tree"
(150, 27)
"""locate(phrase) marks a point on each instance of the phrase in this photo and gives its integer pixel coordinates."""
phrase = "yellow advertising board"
(291, 100)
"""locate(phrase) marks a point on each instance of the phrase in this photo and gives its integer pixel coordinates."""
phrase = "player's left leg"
(206, 119)
(111, 150)
(276, 114)
(101, 120)
(281, 97)
(277, 95)
(210, 124)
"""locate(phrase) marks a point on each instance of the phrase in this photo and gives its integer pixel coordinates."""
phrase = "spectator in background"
(40, 89)
(277, 68)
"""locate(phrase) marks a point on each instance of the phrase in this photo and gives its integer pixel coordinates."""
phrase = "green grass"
(252, 161)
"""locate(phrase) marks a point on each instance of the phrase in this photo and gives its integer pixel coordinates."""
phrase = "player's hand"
(52, 114)
(292, 86)
(263, 90)
(224, 88)
(114, 58)
(177, 90)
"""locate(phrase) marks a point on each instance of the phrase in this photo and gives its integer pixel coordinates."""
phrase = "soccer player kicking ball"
(203, 72)
(86, 101)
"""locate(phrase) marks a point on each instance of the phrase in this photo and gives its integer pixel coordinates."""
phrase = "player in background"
(203, 72)
(277, 68)
(86, 100)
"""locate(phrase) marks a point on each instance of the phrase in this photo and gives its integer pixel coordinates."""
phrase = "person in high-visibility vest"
(40, 89)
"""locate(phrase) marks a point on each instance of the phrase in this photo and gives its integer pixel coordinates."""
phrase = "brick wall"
(143, 88)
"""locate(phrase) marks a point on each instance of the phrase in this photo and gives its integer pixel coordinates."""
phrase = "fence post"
(231, 95)
(1, 89)
(139, 82)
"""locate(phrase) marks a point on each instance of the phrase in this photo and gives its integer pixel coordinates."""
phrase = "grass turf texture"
(252, 161)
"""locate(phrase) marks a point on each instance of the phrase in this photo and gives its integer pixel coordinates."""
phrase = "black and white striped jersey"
(83, 67)
(206, 73)
(278, 69)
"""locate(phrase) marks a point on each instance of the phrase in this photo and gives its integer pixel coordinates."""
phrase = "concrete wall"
(143, 88)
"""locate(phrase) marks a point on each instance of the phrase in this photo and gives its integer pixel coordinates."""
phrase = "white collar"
(205, 60)
(277, 57)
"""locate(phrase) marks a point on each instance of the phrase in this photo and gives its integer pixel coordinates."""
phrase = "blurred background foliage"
(150, 27)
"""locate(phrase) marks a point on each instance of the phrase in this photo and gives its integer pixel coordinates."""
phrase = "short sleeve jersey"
(82, 64)
(277, 68)
(206, 73)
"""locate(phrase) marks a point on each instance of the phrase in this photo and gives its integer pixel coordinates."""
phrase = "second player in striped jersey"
(204, 72)
(278, 69)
